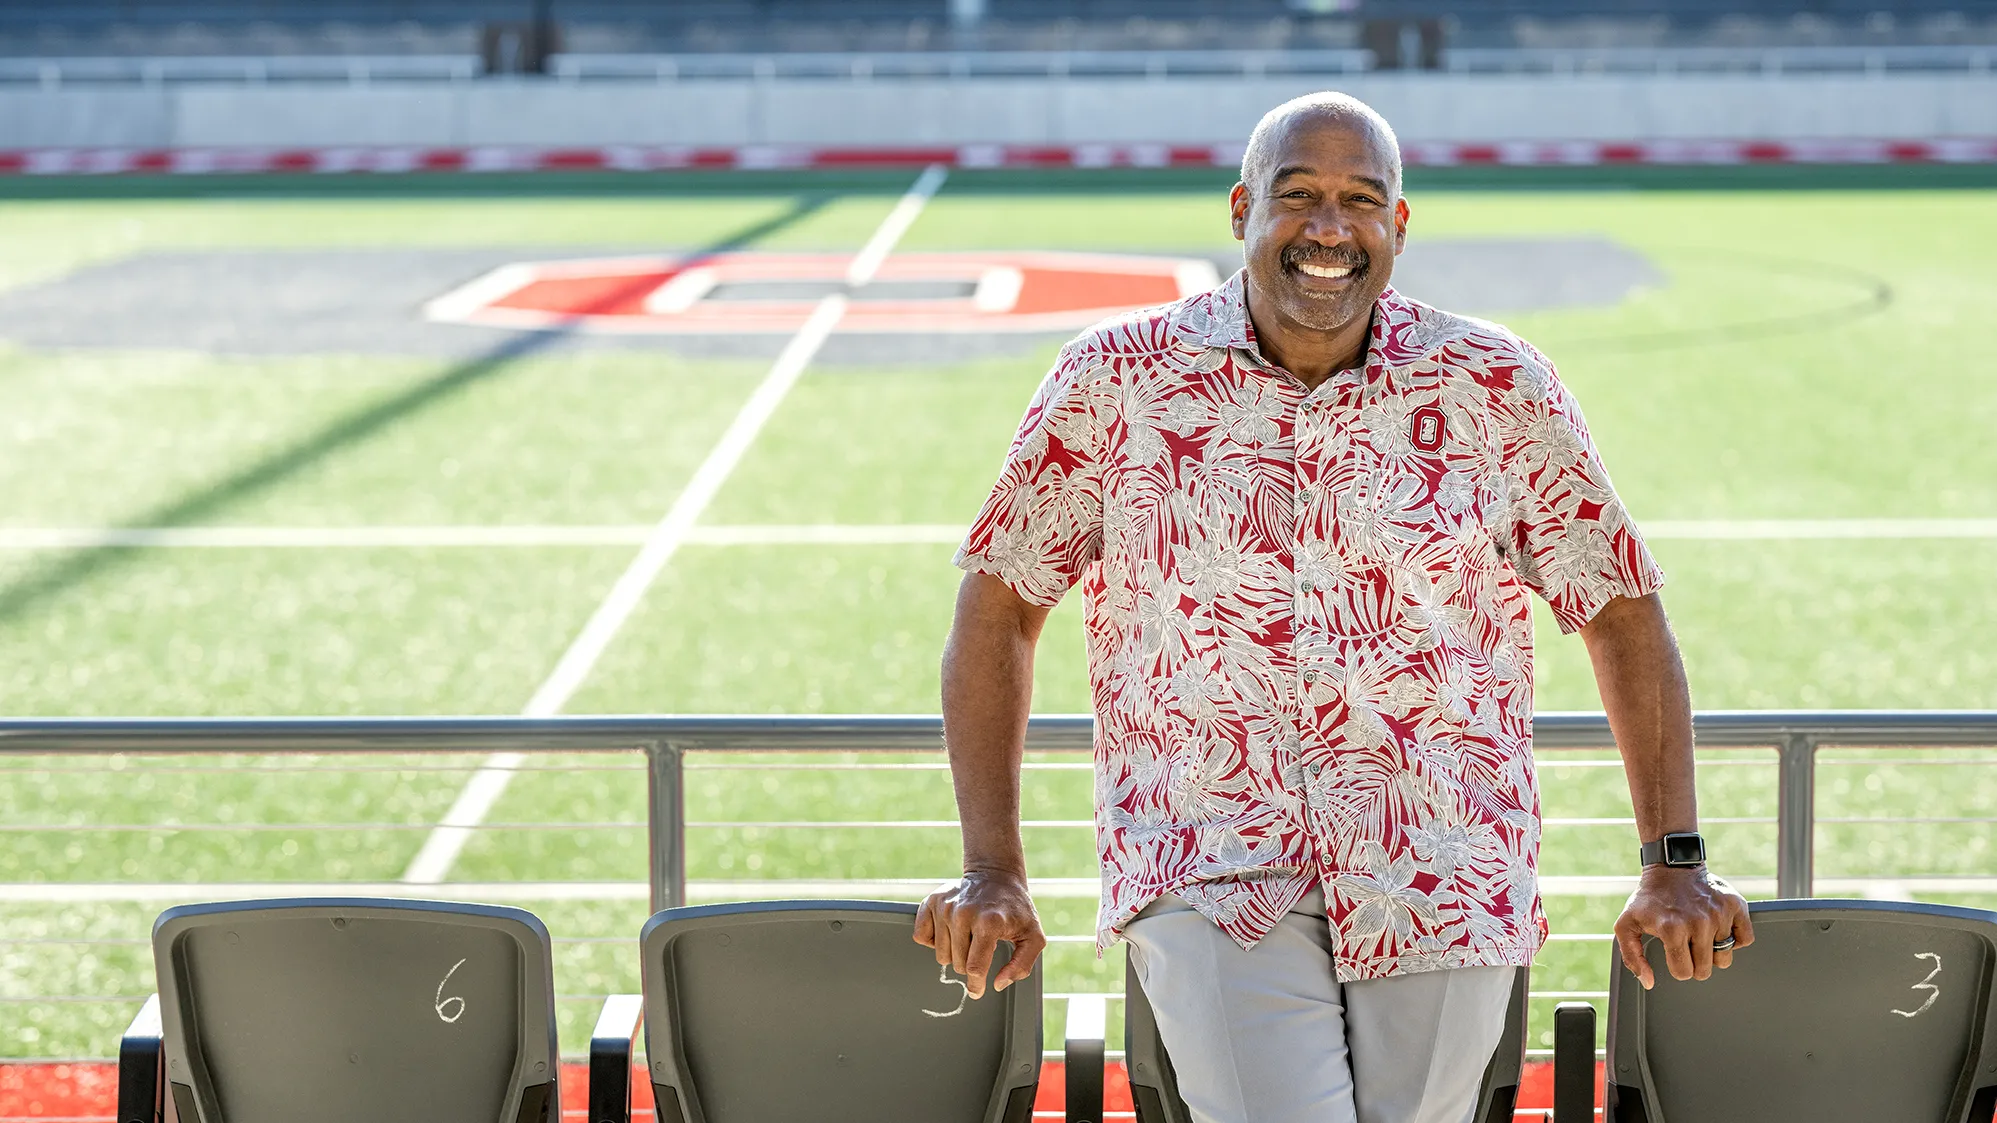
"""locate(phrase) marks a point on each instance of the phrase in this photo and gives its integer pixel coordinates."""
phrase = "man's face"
(1322, 229)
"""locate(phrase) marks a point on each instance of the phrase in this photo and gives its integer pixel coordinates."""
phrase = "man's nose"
(1328, 225)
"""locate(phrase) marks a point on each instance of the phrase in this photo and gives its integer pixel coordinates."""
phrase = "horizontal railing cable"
(817, 824)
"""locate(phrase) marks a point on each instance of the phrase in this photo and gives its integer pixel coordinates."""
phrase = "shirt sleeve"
(1042, 524)
(1571, 539)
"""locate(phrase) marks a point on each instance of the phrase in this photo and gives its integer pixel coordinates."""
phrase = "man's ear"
(1237, 203)
(1400, 225)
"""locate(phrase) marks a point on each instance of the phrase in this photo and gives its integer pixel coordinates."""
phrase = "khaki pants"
(1271, 1035)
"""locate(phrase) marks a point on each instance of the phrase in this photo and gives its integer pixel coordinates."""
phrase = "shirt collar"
(1219, 318)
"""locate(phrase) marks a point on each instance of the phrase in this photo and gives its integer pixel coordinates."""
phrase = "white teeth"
(1332, 271)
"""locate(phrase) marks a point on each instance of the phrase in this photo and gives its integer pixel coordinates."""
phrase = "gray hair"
(1328, 103)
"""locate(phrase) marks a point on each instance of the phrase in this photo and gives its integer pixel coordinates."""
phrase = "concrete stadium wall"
(1423, 107)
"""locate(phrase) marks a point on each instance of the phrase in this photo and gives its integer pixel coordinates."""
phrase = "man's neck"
(1312, 356)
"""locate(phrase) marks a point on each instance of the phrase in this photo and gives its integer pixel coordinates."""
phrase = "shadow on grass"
(75, 567)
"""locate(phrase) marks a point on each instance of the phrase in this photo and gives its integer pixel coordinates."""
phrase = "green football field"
(1812, 355)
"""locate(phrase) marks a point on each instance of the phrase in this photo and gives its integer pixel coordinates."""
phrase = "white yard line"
(902, 888)
(441, 849)
(363, 537)
(671, 532)
(1798, 529)
(316, 537)
(868, 261)
(904, 534)
(827, 534)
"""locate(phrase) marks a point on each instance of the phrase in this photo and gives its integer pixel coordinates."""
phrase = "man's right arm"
(987, 694)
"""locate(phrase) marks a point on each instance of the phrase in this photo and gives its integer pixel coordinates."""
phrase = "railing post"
(665, 823)
(1796, 817)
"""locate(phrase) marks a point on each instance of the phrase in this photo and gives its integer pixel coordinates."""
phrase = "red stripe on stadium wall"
(389, 160)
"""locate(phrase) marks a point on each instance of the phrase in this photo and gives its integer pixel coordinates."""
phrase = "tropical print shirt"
(1309, 633)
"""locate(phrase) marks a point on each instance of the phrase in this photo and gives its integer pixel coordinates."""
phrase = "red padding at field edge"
(88, 1090)
(62, 1090)
(882, 157)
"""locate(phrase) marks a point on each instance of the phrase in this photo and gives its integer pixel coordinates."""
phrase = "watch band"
(1679, 848)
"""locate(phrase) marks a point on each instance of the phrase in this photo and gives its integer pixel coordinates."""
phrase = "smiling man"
(1308, 514)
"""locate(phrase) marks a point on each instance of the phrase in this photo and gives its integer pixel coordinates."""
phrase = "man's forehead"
(1330, 143)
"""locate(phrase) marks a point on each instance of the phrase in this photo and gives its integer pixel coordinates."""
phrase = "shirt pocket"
(1385, 535)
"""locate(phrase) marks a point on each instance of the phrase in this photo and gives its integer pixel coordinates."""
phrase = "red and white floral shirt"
(1310, 640)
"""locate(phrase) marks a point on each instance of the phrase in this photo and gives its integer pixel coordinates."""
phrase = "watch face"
(1684, 849)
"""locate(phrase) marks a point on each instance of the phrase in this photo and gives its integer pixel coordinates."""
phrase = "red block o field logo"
(1426, 428)
(736, 293)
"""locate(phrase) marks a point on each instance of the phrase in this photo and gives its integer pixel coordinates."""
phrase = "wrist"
(1670, 874)
(1676, 849)
(1004, 871)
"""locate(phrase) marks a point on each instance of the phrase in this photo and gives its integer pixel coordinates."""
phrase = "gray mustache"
(1340, 256)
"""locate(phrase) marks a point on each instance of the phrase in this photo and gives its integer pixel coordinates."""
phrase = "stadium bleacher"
(240, 27)
(1805, 1027)
(301, 1010)
(724, 987)
(1843, 1010)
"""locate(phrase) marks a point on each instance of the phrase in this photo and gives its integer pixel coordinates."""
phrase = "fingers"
(979, 964)
(941, 909)
(1629, 942)
(960, 943)
(1025, 952)
(1677, 955)
(963, 924)
(1688, 918)
(1733, 922)
(1699, 941)
(1743, 927)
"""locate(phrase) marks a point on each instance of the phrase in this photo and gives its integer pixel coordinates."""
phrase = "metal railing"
(666, 742)
(665, 752)
(55, 72)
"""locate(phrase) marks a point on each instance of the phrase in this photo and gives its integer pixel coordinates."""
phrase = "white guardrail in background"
(55, 72)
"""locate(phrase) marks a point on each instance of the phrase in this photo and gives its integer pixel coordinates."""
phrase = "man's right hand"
(964, 923)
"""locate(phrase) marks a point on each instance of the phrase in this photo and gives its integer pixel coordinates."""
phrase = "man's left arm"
(1649, 705)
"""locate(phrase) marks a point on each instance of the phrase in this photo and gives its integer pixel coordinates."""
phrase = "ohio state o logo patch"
(1426, 427)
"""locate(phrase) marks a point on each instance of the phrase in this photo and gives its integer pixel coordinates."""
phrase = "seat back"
(330, 1010)
(770, 1010)
(1154, 1086)
(1841, 1010)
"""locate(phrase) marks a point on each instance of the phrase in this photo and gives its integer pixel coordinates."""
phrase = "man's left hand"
(1689, 910)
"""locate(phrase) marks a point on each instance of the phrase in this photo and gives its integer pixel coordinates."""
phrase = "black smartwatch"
(1683, 848)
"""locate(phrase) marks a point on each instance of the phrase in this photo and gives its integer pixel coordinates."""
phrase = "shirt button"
(1310, 676)
(1317, 769)
(1309, 587)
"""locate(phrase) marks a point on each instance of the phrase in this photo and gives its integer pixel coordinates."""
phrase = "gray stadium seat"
(1154, 1087)
(1842, 1010)
(793, 1010)
(332, 1010)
